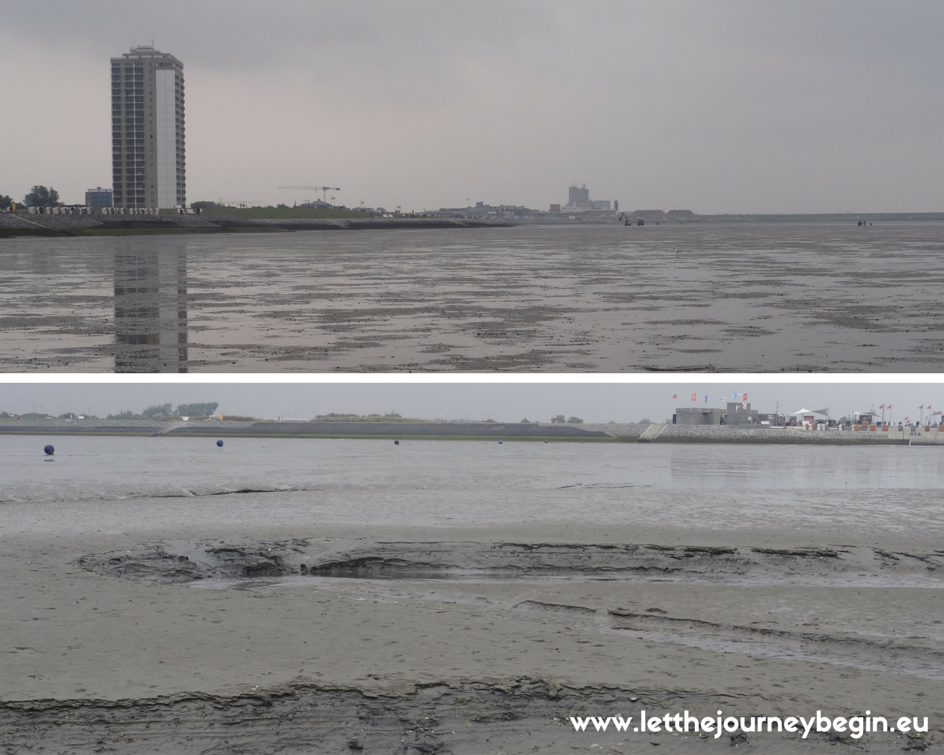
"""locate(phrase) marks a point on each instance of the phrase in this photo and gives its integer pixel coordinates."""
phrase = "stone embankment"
(81, 225)
(790, 435)
(622, 430)
(787, 435)
(202, 428)
(108, 426)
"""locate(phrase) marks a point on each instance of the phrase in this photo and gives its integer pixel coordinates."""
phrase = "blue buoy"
(219, 444)
(547, 441)
(49, 450)
(500, 442)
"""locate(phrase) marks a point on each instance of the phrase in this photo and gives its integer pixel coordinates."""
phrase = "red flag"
(889, 406)
(921, 407)
(694, 397)
(674, 395)
(882, 406)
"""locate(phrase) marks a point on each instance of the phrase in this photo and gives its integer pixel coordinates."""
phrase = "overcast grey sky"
(505, 403)
(709, 105)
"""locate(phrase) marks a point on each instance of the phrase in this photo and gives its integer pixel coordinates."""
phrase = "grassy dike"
(488, 438)
(331, 430)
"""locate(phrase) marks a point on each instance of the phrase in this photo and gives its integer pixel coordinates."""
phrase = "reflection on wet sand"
(752, 298)
(151, 310)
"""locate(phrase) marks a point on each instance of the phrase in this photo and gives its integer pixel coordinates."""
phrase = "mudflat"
(138, 629)
(314, 596)
(746, 298)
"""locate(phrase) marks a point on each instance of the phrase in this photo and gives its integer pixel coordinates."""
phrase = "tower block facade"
(147, 129)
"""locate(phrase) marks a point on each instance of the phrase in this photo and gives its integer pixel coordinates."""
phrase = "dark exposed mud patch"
(180, 563)
(183, 562)
(462, 718)
(473, 717)
(873, 653)
(562, 608)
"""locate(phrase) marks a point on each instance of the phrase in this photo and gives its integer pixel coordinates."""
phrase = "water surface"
(155, 482)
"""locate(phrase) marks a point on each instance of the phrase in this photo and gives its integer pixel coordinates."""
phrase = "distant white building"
(578, 198)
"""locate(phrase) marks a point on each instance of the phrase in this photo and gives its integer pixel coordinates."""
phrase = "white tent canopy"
(824, 413)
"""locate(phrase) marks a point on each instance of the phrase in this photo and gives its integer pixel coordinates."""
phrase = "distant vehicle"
(628, 221)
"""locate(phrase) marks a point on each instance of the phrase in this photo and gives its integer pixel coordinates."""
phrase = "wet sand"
(755, 298)
(270, 631)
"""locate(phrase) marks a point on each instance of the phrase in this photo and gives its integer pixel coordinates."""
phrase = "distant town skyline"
(537, 402)
(718, 106)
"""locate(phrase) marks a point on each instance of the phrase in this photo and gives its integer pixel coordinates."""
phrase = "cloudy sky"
(711, 105)
(501, 402)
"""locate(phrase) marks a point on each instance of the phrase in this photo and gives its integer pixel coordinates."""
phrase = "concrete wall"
(738, 415)
(789, 435)
(698, 416)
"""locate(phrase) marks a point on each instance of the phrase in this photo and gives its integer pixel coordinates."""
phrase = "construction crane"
(323, 189)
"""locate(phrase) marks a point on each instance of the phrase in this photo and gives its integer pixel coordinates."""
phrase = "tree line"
(159, 411)
(39, 196)
(163, 411)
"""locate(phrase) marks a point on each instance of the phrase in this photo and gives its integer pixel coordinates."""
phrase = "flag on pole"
(745, 397)
(706, 398)
(674, 395)
(921, 407)
(882, 406)
(694, 397)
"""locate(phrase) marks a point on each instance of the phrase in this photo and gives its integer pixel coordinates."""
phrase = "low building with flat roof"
(99, 198)
(698, 416)
(741, 414)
